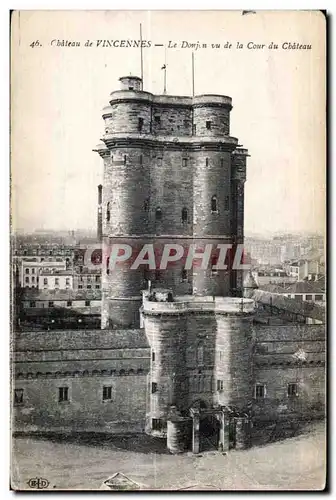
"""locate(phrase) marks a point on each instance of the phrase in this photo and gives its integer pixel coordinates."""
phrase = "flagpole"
(141, 57)
(193, 74)
(165, 74)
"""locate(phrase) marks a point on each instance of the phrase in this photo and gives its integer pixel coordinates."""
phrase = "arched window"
(158, 214)
(214, 207)
(184, 214)
(200, 354)
(108, 212)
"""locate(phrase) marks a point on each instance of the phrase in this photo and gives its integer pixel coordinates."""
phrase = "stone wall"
(85, 411)
(218, 116)
(84, 362)
(290, 354)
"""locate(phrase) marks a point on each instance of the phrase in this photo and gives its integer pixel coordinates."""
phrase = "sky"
(57, 94)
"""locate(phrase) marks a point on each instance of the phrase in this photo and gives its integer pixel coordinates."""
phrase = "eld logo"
(38, 483)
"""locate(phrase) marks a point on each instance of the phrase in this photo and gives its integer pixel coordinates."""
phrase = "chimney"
(100, 213)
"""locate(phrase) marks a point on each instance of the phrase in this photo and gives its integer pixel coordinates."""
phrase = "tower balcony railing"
(233, 305)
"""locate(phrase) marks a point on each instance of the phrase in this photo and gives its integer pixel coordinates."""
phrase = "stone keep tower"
(172, 174)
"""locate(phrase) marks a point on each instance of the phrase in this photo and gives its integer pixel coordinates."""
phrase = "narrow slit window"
(140, 124)
(158, 214)
(208, 125)
(214, 206)
(108, 212)
(184, 214)
(18, 396)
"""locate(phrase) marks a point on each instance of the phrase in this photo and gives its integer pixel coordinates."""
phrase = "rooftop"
(299, 287)
(56, 272)
(34, 294)
(80, 339)
(303, 308)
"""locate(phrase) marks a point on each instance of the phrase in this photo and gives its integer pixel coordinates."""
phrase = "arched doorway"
(209, 426)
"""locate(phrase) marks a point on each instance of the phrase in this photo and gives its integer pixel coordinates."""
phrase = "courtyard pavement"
(84, 463)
